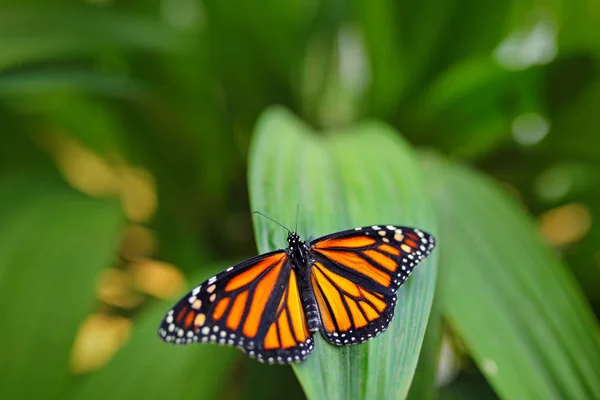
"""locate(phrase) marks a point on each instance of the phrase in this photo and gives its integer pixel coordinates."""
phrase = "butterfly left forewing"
(240, 307)
(356, 274)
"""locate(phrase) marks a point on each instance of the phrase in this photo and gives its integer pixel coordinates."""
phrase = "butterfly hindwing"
(288, 338)
(356, 275)
(350, 313)
(254, 305)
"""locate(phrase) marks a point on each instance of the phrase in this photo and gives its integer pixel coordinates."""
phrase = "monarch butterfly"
(343, 284)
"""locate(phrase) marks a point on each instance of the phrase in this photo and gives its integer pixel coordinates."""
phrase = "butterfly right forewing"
(356, 274)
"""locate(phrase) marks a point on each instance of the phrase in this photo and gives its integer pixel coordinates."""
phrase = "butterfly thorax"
(301, 257)
(297, 250)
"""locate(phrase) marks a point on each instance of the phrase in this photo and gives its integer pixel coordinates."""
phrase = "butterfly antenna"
(297, 214)
(269, 218)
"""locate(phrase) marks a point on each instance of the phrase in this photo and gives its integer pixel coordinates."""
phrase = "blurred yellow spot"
(137, 242)
(138, 194)
(158, 279)
(94, 176)
(114, 288)
(565, 224)
(83, 169)
(98, 339)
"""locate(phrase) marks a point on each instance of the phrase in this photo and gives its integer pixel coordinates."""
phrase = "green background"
(138, 136)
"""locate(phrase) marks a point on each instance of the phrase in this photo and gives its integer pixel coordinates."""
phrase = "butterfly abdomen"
(309, 302)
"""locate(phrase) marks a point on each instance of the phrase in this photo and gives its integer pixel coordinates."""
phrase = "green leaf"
(424, 384)
(53, 243)
(468, 386)
(39, 82)
(513, 303)
(267, 382)
(462, 109)
(379, 20)
(32, 35)
(363, 175)
(149, 368)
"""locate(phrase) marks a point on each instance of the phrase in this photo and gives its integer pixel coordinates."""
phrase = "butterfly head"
(297, 248)
(293, 239)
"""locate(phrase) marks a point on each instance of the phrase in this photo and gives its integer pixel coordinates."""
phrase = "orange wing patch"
(220, 308)
(189, 318)
(344, 284)
(289, 328)
(343, 304)
(287, 339)
(389, 249)
(251, 274)
(382, 260)
(352, 242)
(369, 311)
(271, 340)
(357, 316)
(374, 300)
(261, 296)
(237, 311)
(355, 262)
(334, 300)
(326, 317)
(296, 311)
(412, 236)
(181, 313)
(410, 243)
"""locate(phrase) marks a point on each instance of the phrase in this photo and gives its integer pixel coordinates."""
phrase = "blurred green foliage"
(128, 128)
